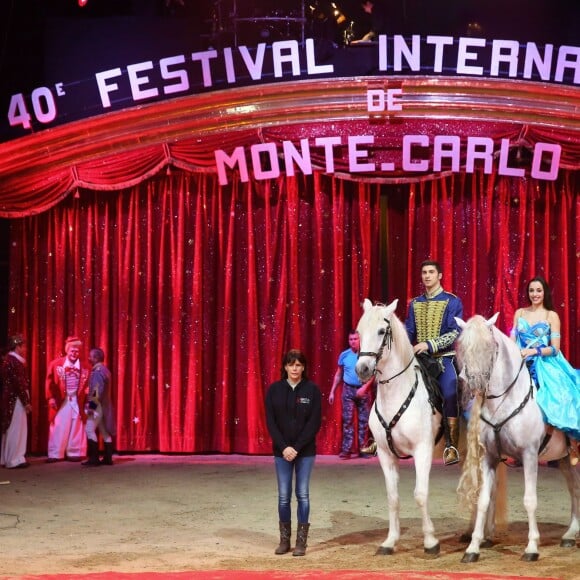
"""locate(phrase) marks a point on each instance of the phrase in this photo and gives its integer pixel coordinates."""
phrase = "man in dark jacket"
(99, 411)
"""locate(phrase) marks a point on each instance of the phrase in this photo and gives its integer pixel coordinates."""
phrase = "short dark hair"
(16, 340)
(291, 356)
(98, 354)
(548, 304)
(432, 263)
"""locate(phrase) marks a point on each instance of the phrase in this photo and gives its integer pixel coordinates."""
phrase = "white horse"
(505, 421)
(404, 420)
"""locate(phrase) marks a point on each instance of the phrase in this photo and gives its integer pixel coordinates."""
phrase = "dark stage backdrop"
(195, 290)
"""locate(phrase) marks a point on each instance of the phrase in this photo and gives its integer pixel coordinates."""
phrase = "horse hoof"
(382, 551)
(470, 557)
(433, 550)
(567, 543)
(487, 543)
(531, 557)
(465, 538)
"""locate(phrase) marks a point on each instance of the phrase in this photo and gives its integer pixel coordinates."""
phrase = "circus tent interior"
(198, 185)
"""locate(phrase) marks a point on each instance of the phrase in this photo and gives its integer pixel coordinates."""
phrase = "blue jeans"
(284, 471)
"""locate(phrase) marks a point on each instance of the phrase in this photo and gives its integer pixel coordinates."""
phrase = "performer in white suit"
(66, 389)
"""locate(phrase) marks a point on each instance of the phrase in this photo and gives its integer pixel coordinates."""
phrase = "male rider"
(432, 329)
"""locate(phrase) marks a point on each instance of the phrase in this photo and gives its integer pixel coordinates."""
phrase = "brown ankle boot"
(285, 533)
(301, 537)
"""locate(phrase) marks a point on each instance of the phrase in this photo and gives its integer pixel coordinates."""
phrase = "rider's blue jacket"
(431, 319)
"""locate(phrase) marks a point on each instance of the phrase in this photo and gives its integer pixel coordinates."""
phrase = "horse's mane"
(506, 342)
(480, 345)
(401, 343)
(475, 339)
(476, 344)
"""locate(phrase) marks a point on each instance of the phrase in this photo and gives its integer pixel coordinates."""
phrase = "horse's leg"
(423, 458)
(497, 511)
(477, 536)
(572, 478)
(489, 528)
(390, 466)
(465, 537)
(530, 464)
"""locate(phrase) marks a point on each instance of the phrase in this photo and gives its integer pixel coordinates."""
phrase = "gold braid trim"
(428, 320)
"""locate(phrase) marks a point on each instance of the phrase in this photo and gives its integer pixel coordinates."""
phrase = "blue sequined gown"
(558, 381)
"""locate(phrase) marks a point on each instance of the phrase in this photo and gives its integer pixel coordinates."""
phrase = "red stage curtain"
(35, 189)
(195, 290)
(491, 235)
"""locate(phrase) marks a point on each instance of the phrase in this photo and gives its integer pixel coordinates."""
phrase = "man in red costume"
(66, 388)
(15, 404)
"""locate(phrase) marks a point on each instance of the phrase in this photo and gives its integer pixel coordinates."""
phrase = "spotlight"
(82, 3)
(337, 13)
(474, 28)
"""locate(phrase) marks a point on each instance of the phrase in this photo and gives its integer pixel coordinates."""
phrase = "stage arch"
(196, 237)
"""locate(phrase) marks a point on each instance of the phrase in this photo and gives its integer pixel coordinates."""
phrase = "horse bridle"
(487, 376)
(387, 343)
(498, 426)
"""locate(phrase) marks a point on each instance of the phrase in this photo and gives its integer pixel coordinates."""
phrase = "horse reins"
(386, 381)
(497, 427)
(510, 385)
(387, 342)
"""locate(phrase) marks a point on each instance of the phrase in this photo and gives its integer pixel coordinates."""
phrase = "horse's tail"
(471, 473)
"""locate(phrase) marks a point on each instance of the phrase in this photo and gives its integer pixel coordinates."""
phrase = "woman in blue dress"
(536, 330)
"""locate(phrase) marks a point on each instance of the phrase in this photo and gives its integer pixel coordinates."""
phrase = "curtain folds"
(38, 188)
(195, 291)
(491, 235)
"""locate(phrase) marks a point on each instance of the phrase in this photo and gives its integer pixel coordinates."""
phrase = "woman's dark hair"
(292, 356)
(547, 292)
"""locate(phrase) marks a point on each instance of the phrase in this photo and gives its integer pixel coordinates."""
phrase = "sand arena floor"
(151, 513)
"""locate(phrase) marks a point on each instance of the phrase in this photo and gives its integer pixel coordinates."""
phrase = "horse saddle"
(431, 368)
(432, 365)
